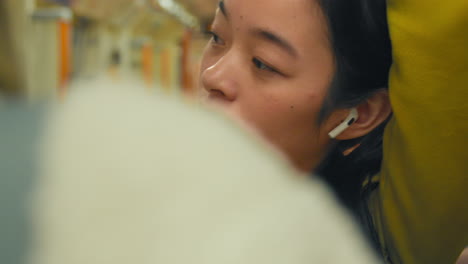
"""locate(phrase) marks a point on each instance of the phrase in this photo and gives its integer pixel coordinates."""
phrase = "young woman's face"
(270, 63)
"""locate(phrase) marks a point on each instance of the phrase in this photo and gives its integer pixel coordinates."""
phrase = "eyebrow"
(277, 40)
(223, 9)
(265, 34)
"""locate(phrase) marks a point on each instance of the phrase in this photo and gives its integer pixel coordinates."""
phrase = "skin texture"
(252, 77)
(277, 88)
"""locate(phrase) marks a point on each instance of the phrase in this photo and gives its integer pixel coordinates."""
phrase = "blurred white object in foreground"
(133, 178)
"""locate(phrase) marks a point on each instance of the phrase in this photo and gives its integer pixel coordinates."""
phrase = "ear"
(375, 110)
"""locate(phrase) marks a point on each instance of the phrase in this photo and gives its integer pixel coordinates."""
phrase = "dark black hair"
(360, 40)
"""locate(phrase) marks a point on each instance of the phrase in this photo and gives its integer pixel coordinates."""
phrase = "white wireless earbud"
(350, 119)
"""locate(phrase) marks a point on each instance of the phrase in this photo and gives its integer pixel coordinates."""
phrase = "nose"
(220, 80)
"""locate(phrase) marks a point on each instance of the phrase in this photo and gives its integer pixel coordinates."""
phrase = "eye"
(262, 66)
(215, 38)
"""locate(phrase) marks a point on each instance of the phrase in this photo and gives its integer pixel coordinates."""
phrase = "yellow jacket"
(420, 209)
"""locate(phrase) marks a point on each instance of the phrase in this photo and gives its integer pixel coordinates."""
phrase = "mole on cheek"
(292, 106)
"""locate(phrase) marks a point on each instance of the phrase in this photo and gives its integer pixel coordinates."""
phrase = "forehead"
(300, 21)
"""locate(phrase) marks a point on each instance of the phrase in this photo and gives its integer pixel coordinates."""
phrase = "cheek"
(296, 116)
(282, 114)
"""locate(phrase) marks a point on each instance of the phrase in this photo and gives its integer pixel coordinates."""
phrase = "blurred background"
(47, 45)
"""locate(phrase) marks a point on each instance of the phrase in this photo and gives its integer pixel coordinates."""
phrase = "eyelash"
(262, 66)
(256, 62)
(215, 38)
